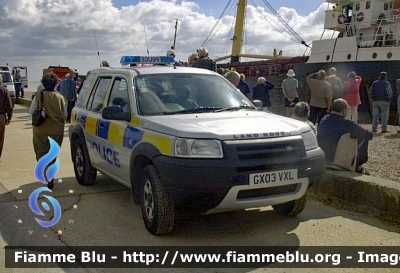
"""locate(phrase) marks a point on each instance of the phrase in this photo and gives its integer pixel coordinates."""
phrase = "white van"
(9, 83)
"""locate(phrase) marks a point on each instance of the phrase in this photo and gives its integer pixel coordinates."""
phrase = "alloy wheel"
(148, 200)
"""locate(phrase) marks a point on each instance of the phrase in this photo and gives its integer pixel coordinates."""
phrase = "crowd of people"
(331, 109)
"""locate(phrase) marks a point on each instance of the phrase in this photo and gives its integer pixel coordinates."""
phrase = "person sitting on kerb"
(344, 142)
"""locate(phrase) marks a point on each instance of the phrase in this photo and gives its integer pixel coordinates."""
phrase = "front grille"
(267, 150)
(265, 192)
(265, 154)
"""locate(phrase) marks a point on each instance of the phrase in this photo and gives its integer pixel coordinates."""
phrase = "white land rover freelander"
(186, 137)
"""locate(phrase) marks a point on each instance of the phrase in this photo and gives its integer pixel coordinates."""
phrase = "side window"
(119, 94)
(386, 6)
(85, 90)
(98, 95)
(368, 5)
(357, 6)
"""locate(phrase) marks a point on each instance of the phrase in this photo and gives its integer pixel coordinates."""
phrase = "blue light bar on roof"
(125, 60)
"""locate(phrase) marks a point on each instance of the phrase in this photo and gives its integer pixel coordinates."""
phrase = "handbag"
(39, 115)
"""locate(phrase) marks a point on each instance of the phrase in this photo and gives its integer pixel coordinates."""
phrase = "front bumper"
(216, 185)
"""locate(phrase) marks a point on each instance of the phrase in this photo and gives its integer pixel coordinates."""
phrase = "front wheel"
(157, 208)
(84, 171)
(291, 208)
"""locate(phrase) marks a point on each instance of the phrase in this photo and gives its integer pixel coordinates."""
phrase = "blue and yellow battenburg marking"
(125, 60)
(124, 135)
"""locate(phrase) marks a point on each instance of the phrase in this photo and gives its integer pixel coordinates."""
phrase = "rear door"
(96, 129)
(23, 70)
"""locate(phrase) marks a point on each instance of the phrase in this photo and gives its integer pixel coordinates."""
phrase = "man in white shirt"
(290, 88)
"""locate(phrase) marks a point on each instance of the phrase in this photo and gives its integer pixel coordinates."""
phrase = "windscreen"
(166, 94)
(6, 77)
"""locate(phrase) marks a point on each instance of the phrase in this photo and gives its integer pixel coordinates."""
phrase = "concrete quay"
(363, 193)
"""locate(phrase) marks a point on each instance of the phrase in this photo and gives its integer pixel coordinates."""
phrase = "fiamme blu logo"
(45, 170)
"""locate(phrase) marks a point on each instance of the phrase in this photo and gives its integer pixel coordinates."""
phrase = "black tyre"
(157, 208)
(291, 208)
(84, 172)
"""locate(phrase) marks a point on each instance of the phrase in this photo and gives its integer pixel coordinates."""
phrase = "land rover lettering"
(262, 135)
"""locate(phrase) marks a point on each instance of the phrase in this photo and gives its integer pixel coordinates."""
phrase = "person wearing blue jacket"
(243, 85)
(261, 92)
(333, 126)
(381, 91)
(68, 90)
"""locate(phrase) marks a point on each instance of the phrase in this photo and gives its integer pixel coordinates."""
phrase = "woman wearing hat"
(261, 92)
(290, 87)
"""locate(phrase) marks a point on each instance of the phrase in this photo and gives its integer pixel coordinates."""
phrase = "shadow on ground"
(104, 215)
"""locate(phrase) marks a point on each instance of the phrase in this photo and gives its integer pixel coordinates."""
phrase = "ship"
(366, 40)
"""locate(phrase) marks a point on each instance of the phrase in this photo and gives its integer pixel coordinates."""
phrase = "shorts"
(291, 103)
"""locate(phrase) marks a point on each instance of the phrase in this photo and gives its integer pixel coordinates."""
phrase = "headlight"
(310, 141)
(200, 148)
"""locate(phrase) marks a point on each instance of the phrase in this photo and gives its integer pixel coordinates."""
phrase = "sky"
(81, 33)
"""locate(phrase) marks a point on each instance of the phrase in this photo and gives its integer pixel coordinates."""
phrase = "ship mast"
(237, 39)
(238, 34)
(176, 30)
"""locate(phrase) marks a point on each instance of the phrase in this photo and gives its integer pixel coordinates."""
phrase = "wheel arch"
(75, 133)
(78, 141)
(142, 155)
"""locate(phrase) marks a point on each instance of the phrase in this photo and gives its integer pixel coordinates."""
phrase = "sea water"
(32, 86)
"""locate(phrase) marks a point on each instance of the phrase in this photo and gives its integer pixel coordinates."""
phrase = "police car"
(186, 137)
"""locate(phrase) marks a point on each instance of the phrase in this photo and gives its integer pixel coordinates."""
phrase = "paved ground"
(106, 216)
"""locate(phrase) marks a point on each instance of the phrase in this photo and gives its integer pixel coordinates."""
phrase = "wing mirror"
(115, 113)
(258, 104)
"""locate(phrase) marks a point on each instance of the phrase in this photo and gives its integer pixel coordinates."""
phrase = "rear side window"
(96, 99)
(85, 90)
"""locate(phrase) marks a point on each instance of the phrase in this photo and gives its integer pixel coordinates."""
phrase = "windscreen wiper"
(236, 108)
(194, 110)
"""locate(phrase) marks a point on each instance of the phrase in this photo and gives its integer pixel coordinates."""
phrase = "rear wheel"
(157, 208)
(84, 172)
(291, 208)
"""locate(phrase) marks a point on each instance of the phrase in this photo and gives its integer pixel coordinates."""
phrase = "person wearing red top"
(351, 93)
